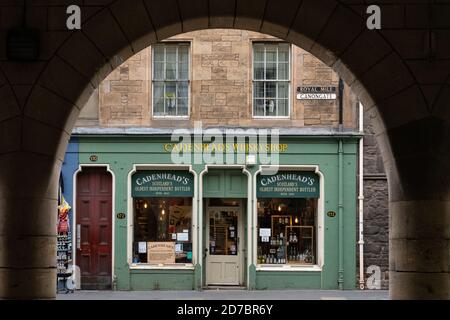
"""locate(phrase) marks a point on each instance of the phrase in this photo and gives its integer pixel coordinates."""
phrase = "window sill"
(143, 266)
(288, 268)
(171, 117)
(271, 118)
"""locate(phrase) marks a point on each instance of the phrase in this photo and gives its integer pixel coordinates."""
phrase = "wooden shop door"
(224, 252)
(94, 228)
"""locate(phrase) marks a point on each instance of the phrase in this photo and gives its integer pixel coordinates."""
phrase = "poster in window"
(161, 252)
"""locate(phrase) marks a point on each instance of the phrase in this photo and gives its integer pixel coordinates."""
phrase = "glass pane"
(160, 220)
(171, 71)
(158, 99)
(182, 107)
(158, 54)
(258, 105)
(183, 62)
(171, 53)
(223, 232)
(170, 98)
(258, 55)
(271, 53)
(182, 90)
(159, 70)
(183, 71)
(271, 107)
(271, 90)
(183, 54)
(258, 71)
(291, 224)
(283, 71)
(283, 110)
(271, 71)
(283, 53)
(283, 90)
(258, 89)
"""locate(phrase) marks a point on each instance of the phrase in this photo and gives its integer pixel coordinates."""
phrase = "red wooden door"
(94, 224)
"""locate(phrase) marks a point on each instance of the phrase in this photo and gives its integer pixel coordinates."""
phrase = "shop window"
(171, 80)
(287, 231)
(162, 231)
(271, 79)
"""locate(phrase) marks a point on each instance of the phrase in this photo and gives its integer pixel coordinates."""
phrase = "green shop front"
(206, 224)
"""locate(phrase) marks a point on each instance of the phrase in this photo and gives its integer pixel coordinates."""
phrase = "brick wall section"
(221, 87)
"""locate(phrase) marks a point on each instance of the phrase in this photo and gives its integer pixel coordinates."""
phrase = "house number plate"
(331, 214)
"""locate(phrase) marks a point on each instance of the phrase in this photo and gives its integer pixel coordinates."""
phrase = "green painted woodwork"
(122, 152)
(142, 280)
(225, 183)
(288, 184)
(276, 280)
(162, 183)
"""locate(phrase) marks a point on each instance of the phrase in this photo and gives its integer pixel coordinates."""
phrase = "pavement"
(228, 295)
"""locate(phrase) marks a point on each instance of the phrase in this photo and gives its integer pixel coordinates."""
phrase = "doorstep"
(220, 288)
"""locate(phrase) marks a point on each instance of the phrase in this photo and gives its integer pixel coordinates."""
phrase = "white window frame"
(130, 222)
(289, 81)
(320, 230)
(171, 117)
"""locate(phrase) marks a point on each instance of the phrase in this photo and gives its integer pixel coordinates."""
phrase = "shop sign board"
(289, 184)
(161, 252)
(162, 183)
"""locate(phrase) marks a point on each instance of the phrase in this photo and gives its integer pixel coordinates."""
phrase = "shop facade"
(164, 226)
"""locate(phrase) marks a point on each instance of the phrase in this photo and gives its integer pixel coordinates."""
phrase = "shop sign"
(288, 184)
(316, 93)
(161, 252)
(226, 147)
(162, 183)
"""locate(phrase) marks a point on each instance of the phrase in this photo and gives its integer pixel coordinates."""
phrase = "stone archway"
(400, 74)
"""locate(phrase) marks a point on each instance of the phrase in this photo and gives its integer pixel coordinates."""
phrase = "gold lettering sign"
(227, 147)
(161, 252)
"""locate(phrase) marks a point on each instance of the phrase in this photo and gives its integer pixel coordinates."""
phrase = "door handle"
(206, 253)
(78, 236)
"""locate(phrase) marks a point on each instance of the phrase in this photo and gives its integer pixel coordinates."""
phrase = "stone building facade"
(220, 88)
(221, 95)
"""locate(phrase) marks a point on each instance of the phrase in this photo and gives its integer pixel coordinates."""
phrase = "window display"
(287, 231)
(162, 230)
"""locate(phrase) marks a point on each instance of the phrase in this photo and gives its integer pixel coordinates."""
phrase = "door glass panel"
(223, 232)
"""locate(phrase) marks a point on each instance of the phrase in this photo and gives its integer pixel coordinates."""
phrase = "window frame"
(131, 214)
(289, 81)
(320, 235)
(153, 81)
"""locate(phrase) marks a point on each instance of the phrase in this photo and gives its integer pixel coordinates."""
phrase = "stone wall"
(221, 87)
(376, 208)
